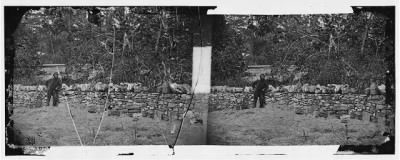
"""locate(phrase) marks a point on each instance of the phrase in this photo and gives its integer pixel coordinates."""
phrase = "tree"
(27, 54)
(153, 45)
(228, 49)
(331, 48)
(140, 42)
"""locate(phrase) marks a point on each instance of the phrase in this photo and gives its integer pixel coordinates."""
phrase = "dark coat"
(260, 85)
(53, 84)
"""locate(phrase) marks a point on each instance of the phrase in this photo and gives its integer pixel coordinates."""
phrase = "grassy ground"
(273, 125)
(53, 126)
(279, 125)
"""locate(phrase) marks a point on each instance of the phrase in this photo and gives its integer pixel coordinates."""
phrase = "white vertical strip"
(201, 73)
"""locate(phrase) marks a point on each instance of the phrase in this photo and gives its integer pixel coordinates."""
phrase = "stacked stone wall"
(172, 106)
(163, 106)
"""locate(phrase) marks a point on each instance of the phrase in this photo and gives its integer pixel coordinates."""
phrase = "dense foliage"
(337, 48)
(148, 48)
(153, 45)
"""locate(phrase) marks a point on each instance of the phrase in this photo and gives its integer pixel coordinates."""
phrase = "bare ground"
(273, 125)
(53, 126)
(279, 125)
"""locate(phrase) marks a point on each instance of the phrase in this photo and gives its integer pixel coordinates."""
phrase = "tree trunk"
(364, 38)
(158, 36)
(377, 48)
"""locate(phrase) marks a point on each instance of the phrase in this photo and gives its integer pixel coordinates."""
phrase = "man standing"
(53, 86)
(259, 87)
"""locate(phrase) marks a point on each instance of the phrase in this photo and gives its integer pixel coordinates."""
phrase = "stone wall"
(165, 106)
(355, 106)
